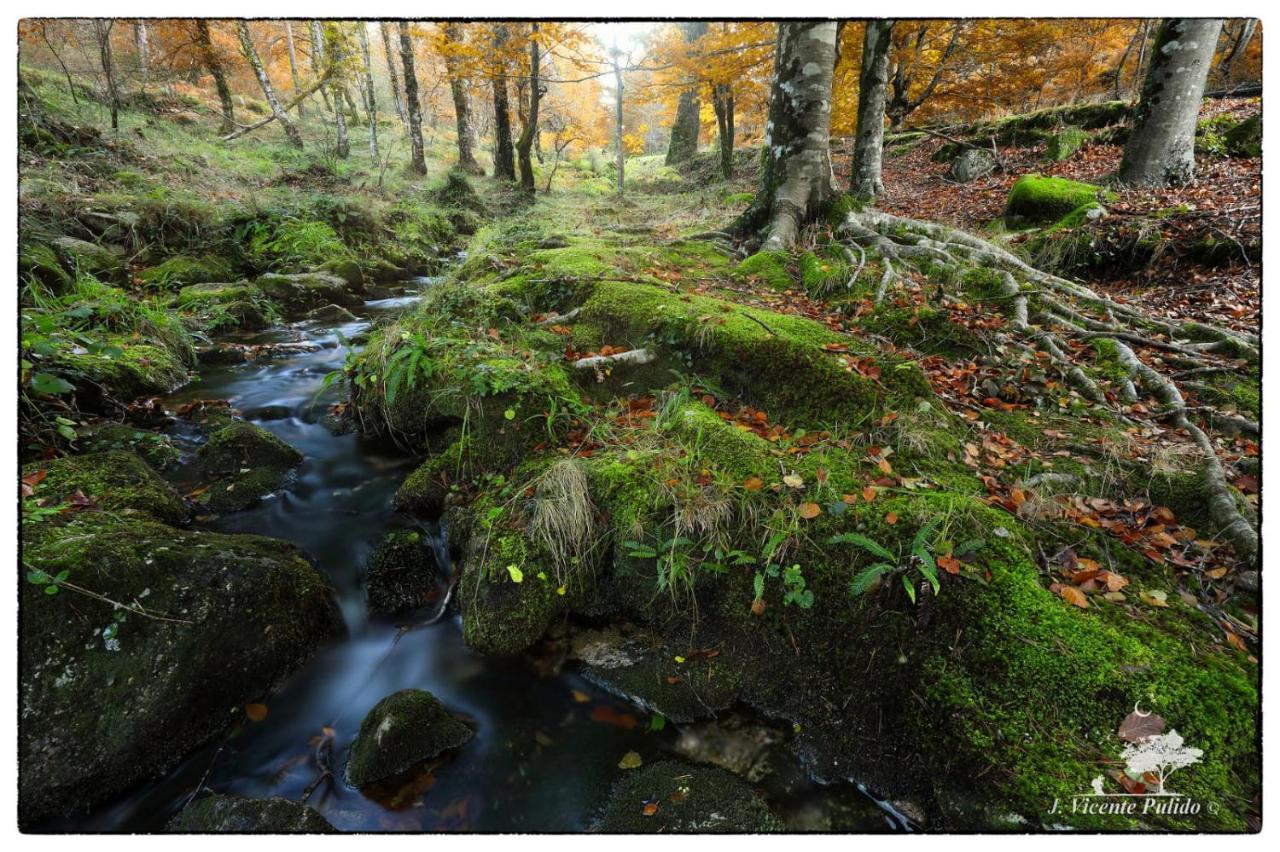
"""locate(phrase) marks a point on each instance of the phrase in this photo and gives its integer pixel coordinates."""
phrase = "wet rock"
(331, 313)
(112, 480)
(241, 462)
(105, 381)
(223, 305)
(111, 696)
(297, 294)
(971, 164)
(672, 796)
(348, 270)
(401, 731)
(91, 258)
(155, 449)
(239, 353)
(401, 574)
(269, 412)
(226, 814)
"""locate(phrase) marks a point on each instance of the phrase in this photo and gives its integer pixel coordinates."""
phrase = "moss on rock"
(304, 291)
(1064, 143)
(241, 462)
(221, 814)
(115, 480)
(401, 731)
(675, 797)
(1036, 199)
(183, 270)
(154, 448)
(401, 574)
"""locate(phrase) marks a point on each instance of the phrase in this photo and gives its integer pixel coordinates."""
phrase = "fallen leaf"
(1155, 598)
(793, 480)
(753, 483)
(891, 518)
(1138, 726)
(631, 760)
(255, 712)
(868, 493)
(1071, 595)
(809, 511)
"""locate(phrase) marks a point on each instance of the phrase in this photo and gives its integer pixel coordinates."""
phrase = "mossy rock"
(241, 462)
(1245, 139)
(115, 480)
(401, 573)
(104, 380)
(346, 269)
(154, 448)
(43, 263)
(1063, 144)
(82, 257)
(219, 305)
(221, 814)
(768, 266)
(111, 697)
(402, 731)
(183, 270)
(971, 164)
(304, 291)
(1036, 199)
(672, 797)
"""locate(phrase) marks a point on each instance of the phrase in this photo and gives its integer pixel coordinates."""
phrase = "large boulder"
(166, 635)
(1245, 139)
(971, 164)
(113, 480)
(1037, 200)
(298, 293)
(240, 463)
(675, 797)
(82, 256)
(105, 379)
(401, 731)
(235, 814)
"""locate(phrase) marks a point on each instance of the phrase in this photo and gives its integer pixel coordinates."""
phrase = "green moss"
(770, 267)
(1038, 199)
(240, 463)
(84, 258)
(155, 449)
(139, 369)
(676, 797)
(401, 574)
(925, 329)
(213, 306)
(401, 731)
(115, 480)
(182, 270)
(824, 274)
(1245, 139)
(1064, 143)
(236, 815)
(304, 291)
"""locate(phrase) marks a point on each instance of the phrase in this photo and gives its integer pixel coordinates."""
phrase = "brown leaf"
(753, 483)
(1138, 726)
(1071, 595)
(809, 511)
(255, 712)
(869, 493)
(891, 518)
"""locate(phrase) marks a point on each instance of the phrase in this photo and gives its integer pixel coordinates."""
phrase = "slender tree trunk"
(684, 131)
(1237, 50)
(617, 122)
(873, 81)
(317, 59)
(268, 91)
(1161, 146)
(461, 105)
(211, 61)
(795, 180)
(722, 100)
(524, 146)
(140, 38)
(392, 73)
(102, 29)
(1139, 34)
(504, 159)
(417, 161)
(293, 65)
(370, 98)
(333, 43)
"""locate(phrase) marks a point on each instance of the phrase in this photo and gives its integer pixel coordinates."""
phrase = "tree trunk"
(317, 58)
(417, 161)
(524, 146)
(1161, 146)
(618, 127)
(142, 41)
(370, 99)
(461, 105)
(684, 131)
(795, 179)
(873, 81)
(722, 100)
(333, 43)
(504, 160)
(293, 65)
(211, 61)
(268, 91)
(102, 29)
(393, 73)
(1228, 64)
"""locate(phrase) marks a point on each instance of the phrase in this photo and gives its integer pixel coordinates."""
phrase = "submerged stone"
(235, 814)
(401, 731)
(675, 797)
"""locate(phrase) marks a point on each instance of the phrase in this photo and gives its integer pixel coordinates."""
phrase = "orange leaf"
(885, 467)
(949, 564)
(753, 483)
(808, 511)
(868, 493)
(255, 712)
(1072, 595)
(891, 518)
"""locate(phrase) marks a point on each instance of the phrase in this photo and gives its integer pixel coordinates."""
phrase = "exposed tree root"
(1046, 309)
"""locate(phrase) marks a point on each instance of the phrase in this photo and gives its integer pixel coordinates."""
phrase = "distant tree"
(1239, 43)
(868, 145)
(722, 103)
(210, 56)
(417, 158)
(1161, 146)
(684, 130)
(524, 145)
(370, 99)
(795, 179)
(142, 43)
(392, 73)
(907, 90)
(618, 124)
(102, 35)
(293, 65)
(454, 38)
(504, 162)
(318, 58)
(268, 91)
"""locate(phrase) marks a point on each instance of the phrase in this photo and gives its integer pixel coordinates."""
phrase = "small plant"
(915, 564)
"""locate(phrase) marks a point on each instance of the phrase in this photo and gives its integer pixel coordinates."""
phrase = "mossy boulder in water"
(240, 463)
(671, 797)
(298, 293)
(227, 305)
(105, 380)
(219, 814)
(113, 695)
(401, 574)
(114, 480)
(401, 731)
(154, 448)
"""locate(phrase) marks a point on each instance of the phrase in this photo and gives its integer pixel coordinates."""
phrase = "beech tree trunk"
(333, 42)
(370, 99)
(524, 146)
(873, 82)
(140, 38)
(317, 58)
(417, 160)
(211, 61)
(1161, 146)
(392, 73)
(102, 29)
(268, 91)
(617, 121)
(461, 106)
(1238, 47)
(795, 179)
(293, 65)
(504, 156)
(722, 101)
(684, 131)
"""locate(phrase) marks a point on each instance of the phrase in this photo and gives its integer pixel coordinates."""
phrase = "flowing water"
(545, 753)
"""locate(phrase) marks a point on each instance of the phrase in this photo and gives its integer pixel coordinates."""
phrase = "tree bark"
(1161, 146)
(211, 61)
(334, 47)
(524, 145)
(417, 160)
(684, 131)
(504, 160)
(392, 73)
(370, 98)
(461, 105)
(293, 65)
(317, 59)
(873, 81)
(617, 120)
(140, 38)
(1228, 64)
(722, 101)
(795, 179)
(268, 91)
(102, 29)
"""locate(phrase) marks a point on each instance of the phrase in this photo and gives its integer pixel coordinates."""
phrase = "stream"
(546, 749)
